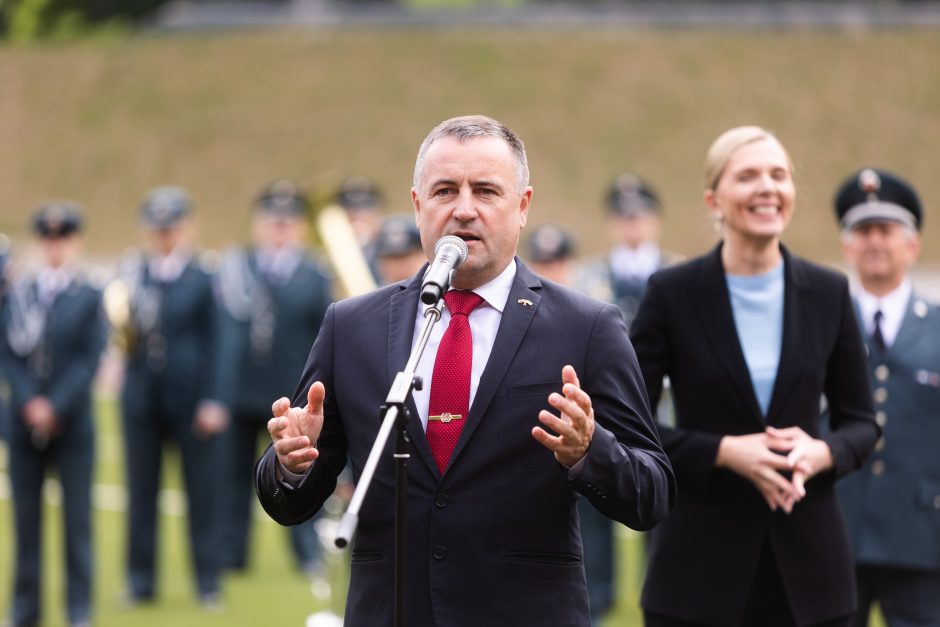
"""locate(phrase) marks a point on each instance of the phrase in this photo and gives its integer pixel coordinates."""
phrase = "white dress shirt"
(51, 282)
(484, 323)
(892, 306)
(635, 263)
(168, 268)
(279, 264)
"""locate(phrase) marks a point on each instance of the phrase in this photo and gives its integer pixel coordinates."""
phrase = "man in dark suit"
(492, 529)
(170, 391)
(53, 334)
(892, 506)
(274, 296)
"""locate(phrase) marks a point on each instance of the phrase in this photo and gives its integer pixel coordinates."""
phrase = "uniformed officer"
(398, 249)
(274, 296)
(892, 505)
(363, 202)
(634, 225)
(54, 331)
(171, 336)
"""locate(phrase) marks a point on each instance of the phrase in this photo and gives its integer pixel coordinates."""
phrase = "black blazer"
(495, 540)
(705, 554)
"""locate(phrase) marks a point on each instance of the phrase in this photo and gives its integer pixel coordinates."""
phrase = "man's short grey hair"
(469, 127)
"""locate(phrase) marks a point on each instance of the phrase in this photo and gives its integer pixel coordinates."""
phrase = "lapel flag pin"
(525, 302)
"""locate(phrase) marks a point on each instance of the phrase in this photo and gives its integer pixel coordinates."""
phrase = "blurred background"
(101, 100)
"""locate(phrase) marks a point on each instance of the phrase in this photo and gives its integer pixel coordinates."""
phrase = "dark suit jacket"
(706, 553)
(495, 541)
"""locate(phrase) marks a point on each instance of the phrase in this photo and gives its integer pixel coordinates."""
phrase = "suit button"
(881, 395)
(440, 501)
(881, 418)
(877, 467)
(439, 552)
(882, 372)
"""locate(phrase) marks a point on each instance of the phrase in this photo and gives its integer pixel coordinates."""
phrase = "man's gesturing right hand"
(295, 431)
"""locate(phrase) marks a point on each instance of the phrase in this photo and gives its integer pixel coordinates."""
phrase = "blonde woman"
(752, 337)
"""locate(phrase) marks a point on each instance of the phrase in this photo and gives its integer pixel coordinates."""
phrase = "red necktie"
(450, 382)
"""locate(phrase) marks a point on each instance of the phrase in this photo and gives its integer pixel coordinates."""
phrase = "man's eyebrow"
(439, 182)
(486, 183)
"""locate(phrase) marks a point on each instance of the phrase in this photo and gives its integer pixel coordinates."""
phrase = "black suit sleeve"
(293, 506)
(626, 474)
(692, 453)
(848, 392)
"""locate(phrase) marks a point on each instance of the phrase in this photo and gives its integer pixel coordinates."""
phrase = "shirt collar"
(892, 305)
(641, 261)
(496, 291)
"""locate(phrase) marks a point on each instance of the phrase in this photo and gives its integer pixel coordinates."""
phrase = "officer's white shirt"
(279, 264)
(168, 268)
(635, 263)
(52, 281)
(892, 306)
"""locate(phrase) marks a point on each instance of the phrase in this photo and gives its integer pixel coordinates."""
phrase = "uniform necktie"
(877, 337)
(450, 381)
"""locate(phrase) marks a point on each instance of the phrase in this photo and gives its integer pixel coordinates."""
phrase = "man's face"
(471, 190)
(59, 250)
(634, 230)
(272, 231)
(165, 241)
(881, 252)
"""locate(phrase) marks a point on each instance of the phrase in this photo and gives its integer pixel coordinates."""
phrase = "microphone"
(449, 252)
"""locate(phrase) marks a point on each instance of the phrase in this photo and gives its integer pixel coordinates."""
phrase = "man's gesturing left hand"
(575, 425)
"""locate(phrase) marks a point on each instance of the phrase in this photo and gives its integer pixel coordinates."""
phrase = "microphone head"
(459, 244)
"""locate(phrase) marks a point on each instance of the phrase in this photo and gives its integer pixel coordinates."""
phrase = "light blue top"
(757, 303)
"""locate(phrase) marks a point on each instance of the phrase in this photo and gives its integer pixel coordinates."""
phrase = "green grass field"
(223, 113)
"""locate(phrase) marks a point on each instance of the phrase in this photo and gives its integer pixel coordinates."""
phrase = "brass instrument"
(342, 249)
(117, 307)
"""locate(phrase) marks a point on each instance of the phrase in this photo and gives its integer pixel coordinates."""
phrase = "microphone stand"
(395, 413)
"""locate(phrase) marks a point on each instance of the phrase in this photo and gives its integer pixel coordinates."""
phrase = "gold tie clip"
(446, 417)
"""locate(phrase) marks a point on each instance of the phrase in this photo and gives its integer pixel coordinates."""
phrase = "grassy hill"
(223, 113)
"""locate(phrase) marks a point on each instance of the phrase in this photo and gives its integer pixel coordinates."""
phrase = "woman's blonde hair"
(716, 159)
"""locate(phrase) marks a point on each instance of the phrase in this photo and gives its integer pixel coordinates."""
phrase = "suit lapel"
(714, 309)
(796, 315)
(513, 325)
(403, 309)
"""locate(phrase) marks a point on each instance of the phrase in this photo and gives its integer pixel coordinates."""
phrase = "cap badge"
(870, 183)
(55, 216)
